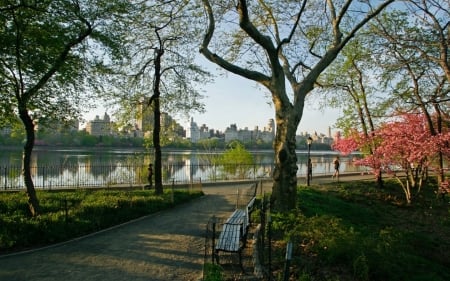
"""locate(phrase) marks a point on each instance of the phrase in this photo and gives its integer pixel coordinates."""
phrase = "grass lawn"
(69, 214)
(356, 231)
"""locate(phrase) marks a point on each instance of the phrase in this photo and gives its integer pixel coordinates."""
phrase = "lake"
(61, 167)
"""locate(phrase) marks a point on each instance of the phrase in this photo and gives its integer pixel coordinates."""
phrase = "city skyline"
(231, 99)
(100, 116)
(195, 133)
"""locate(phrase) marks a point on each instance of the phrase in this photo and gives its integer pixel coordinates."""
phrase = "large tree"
(402, 60)
(279, 42)
(160, 58)
(43, 62)
(416, 65)
(405, 149)
(352, 84)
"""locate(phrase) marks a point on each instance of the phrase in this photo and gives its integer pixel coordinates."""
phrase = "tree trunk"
(379, 179)
(284, 190)
(33, 202)
(157, 123)
(157, 145)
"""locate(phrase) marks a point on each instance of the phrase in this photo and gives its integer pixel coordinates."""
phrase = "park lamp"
(309, 140)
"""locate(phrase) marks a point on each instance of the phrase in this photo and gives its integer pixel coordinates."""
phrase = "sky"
(236, 100)
(231, 99)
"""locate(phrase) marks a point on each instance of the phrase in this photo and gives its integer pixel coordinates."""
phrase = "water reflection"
(78, 168)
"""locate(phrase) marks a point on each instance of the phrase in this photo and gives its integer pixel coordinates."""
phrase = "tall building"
(145, 121)
(231, 133)
(99, 127)
(171, 126)
(145, 116)
(193, 132)
(268, 135)
(205, 133)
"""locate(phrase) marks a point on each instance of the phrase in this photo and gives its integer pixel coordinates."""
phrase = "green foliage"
(236, 160)
(237, 154)
(70, 214)
(355, 231)
(213, 272)
(73, 139)
(41, 41)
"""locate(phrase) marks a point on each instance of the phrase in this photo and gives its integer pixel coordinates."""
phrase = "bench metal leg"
(216, 255)
(240, 261)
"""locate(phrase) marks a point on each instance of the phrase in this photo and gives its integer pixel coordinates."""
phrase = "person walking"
(336, 168)
(150, 176)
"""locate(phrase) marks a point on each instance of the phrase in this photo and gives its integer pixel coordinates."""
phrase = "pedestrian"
(336, 168)
(150, 176)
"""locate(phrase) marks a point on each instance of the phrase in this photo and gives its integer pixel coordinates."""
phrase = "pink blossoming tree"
(405, 149)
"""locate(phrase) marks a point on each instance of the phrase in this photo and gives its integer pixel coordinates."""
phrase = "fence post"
(261, 192)
(66, 211)
(269, 238)
(6, 179)
(288, 260)
(213, 246)
(263, 219)
(173, 186)
(43, 176)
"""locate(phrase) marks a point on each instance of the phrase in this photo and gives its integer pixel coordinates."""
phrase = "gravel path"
(165, 246)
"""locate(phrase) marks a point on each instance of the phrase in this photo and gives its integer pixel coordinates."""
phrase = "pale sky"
(235, 100)
(232, 99)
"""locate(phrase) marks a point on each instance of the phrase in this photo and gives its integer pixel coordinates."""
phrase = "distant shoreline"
(143, 150)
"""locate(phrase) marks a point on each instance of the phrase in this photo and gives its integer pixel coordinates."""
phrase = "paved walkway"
(166, 246)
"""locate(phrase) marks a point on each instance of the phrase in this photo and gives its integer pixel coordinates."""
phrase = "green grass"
(213, 272)
(355, 231)
(69, 214)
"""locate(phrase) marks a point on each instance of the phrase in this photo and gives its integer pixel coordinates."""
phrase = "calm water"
(72, 166)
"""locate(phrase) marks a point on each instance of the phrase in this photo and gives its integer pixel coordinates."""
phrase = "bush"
(212, 272)
(70, 214)
(355, 232)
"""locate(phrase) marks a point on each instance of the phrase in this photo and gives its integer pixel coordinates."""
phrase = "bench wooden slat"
(230, 238)
(236, 217)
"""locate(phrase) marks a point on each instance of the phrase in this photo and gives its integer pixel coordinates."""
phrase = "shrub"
(69, 214)
(212, 272)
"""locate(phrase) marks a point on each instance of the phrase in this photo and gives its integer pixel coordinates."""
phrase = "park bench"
(233, 237)
(444, 188)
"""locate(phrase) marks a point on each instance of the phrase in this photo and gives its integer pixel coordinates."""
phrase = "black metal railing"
(119, 174)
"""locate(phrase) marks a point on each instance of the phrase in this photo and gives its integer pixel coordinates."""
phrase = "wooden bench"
(233, 237)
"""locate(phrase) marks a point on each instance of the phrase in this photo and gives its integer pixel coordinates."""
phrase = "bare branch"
(252, 75)
(297, 20)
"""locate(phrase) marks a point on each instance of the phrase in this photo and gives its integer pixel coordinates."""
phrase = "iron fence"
(120, 174)
(85, 175)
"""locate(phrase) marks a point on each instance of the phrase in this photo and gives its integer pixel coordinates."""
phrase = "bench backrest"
(244, 196)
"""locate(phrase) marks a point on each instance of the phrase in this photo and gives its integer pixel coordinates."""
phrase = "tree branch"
(297, 20)
(252, 75)
(60, 60)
